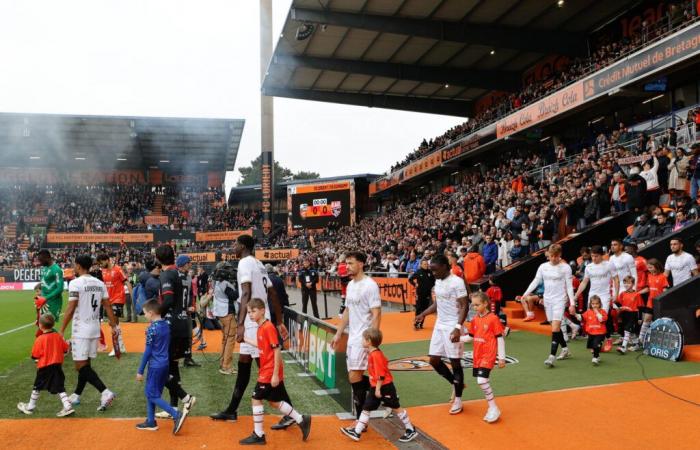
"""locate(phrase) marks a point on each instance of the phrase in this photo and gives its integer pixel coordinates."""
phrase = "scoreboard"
(316, 206)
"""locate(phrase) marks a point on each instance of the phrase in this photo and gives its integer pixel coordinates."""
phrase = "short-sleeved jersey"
(447, 292)
(600, 277)
(49, 348)
(89, 292)
(656, 283)
(591, 323)
(362, 296)
(631, 300)
(268, 341)
(252, 271)
(157, 345)
(624, 265)
(115, 280)
(680, 266)
(642, 272)
(557, 281)
(485, 330)
(378, 368)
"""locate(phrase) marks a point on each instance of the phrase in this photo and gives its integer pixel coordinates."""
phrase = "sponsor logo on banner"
(278, 254)
(36, 220)
(202, 257)
(422, 363)
(540, 111)
(60, 238)
(396, 290)
(310, 345)
(11, 286)
(680, 46)
(155, 220)
(206, 236)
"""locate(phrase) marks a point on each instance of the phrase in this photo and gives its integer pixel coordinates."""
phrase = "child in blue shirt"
(156, 356)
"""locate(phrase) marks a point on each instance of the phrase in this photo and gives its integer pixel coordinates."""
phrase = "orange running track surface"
(197, 433)
(619, 416)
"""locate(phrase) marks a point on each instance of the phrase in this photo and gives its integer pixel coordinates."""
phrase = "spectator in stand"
(454, 264)
(694, 171)
(680, 220)
(490, 253)
(650, 175)
(636, 190)
(643, 230)
(663, 228)
(677, 180)
(413, 264)
(474, 266)
(618, 195)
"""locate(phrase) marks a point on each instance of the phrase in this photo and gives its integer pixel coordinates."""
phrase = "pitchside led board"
(315, 206)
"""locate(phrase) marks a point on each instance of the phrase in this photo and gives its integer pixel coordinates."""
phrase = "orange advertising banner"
(202, 257)
(396, 290)
(422, 165)
(548, 107)
(155, 220)
(322, 187)
(208, 236)
(277, 254)
(69, 238)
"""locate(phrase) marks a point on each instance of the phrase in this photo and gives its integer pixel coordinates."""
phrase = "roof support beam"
(490, 35)
(485, 79)
(415, 104)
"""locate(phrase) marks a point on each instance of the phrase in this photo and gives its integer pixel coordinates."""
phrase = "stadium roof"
(433, 56)
(171, 144)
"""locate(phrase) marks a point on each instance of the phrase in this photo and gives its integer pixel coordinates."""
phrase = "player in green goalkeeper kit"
(51, 282)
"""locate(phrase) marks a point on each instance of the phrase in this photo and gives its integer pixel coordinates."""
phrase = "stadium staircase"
(158, 205)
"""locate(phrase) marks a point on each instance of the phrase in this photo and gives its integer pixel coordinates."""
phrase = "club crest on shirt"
(422, 363)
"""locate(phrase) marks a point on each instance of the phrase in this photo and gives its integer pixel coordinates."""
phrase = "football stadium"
(502, 284)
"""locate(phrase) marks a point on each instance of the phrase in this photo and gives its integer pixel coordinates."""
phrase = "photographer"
(225, 296)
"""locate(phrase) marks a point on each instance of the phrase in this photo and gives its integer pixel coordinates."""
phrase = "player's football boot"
(253, 439)
(305, 426)
(350, 432)
(408, 436)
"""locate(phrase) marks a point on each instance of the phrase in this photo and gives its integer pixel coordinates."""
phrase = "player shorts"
(178, 347)
(265, 391)
(156, 378)
(595, 341)
(356, 357)
(50, 378)
(389, 398)
(83, 349)
(482, 372)
(251, 333)
(554, 311)
(54, 308)
(441, 345)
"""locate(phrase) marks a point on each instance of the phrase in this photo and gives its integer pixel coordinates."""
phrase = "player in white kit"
(558, 290)
(679, 265)
(85, 296)
(450, 304)
(602, 276)
(253, 282)
(363, 309)
(624, 262)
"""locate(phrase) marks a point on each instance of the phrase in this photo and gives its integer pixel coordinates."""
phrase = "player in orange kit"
(115, 281)
(486, 331)
(594, 324)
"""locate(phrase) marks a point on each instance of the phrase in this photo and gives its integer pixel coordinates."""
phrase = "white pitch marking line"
(17, 329)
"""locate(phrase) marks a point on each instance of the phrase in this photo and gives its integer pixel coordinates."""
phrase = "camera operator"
(225, 296)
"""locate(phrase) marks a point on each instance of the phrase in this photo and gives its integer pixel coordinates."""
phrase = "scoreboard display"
(316, 206)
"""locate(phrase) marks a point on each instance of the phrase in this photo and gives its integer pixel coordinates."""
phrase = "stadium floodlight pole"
(267, 138)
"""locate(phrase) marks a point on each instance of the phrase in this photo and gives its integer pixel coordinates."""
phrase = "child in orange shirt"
(270, 385)
(383, 392)
(629, 302)
(487, 333)
(656, 284)
(48, 351)
(594, 325)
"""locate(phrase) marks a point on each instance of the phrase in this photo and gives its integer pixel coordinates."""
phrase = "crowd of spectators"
(205, 210)
(605, 55)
